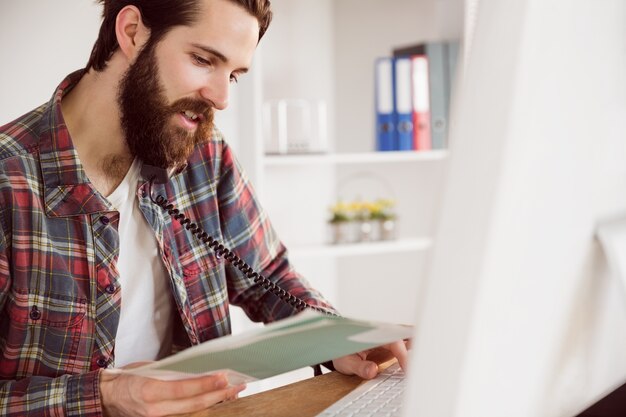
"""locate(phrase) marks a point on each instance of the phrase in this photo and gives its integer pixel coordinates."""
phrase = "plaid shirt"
(59, 284)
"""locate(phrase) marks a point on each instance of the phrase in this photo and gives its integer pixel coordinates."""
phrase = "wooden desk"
(303, 399)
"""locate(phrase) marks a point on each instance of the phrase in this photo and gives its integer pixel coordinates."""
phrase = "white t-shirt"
(145, 327)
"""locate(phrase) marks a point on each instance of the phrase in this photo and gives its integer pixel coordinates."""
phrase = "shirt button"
(35, 314)
(104, 220)
(102, 362)
(144, 193)
(110, 289)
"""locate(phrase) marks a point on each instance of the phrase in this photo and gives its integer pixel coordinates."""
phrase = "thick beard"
(147, 119)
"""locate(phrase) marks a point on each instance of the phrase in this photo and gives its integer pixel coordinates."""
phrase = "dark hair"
(160, 16)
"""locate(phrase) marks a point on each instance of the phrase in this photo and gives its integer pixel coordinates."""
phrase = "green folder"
(303, 340)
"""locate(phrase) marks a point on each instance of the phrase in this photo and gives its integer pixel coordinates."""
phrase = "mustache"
(199, 107)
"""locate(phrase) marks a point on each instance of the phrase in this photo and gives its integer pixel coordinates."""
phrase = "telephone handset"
(160, 176)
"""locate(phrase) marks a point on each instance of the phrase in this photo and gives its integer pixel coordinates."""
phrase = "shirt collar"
(67, 190)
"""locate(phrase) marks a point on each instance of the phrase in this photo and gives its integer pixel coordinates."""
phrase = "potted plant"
(340, 223)
(384, 218)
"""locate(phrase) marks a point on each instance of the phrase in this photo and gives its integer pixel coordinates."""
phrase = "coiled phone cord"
(222, 251)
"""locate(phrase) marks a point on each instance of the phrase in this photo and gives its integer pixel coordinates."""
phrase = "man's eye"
(200, 61)
(234, 79)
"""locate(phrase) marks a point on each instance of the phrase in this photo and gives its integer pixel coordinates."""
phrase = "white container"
(295, 126)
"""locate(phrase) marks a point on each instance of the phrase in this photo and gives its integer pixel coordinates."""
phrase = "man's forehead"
(223, 26)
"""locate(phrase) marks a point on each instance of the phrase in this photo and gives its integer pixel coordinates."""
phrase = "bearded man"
(94, 275)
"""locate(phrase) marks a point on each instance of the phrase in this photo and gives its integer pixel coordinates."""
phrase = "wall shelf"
(362, 248)
(354, 158)
(296, 190)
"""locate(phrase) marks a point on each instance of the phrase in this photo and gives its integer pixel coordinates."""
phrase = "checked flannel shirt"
(59, 292)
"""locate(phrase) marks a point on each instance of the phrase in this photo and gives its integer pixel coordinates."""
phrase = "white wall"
(298, 50)
(41, 42)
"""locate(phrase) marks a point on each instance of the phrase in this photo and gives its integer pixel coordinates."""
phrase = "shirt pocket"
(204, 278)
(43, 332)
(52, 310)
(198, 262)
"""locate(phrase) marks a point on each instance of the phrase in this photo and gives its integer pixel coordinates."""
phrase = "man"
(92, 273)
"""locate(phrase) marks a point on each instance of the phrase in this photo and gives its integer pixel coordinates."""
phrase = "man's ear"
(131, 33)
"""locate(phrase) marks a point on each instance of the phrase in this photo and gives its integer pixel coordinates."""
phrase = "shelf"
(354, 158)
(363, 248)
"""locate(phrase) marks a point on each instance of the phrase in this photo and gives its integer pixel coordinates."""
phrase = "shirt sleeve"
(67, 395)
(247, 229)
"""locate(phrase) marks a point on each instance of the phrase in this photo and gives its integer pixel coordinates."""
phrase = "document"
(303, 340)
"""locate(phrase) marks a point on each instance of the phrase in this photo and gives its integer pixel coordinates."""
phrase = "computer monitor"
(522, 316)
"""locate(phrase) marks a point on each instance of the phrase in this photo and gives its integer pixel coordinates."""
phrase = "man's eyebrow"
(217, 54)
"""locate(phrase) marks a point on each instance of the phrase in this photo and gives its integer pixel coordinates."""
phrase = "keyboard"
(381, 396)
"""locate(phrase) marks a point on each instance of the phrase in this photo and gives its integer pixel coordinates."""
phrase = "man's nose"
(216, 91)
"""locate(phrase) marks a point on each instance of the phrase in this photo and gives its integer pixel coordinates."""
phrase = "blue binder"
(384, 103)
(403, 104)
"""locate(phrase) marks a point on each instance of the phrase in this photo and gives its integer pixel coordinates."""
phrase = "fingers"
(399, 350)
(157, 390)
(128, 394)
(195, 403)
(356, 365)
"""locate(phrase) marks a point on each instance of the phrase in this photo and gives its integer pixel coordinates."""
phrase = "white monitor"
(522, 316)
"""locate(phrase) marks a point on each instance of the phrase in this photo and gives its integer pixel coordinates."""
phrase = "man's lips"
(189, 123)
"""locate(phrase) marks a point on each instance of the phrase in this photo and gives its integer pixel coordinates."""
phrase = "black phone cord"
(222, 251)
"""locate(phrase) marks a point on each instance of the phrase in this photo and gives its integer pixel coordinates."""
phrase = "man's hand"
(357, 364)
(131, 395)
